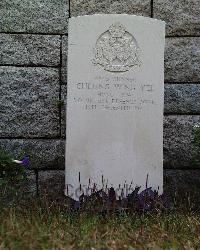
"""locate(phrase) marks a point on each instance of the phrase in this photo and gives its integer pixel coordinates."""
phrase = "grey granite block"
(44, 153)
(29, 98)
(63, 111)
(182, 98)
(179, 151)
(64, 60)
(34, 16)
(182, 57)
(88, 7)
(182, 184)
(18, 49)
(51, 183)
(19, 191)
(181, 16)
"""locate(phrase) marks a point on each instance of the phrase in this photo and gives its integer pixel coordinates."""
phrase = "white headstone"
(114, 102)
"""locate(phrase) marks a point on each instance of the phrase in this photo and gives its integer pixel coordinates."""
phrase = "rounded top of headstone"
(123, 15)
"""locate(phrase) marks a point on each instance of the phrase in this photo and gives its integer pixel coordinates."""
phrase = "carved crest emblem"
(116, 50)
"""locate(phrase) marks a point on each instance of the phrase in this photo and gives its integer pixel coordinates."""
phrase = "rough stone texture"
(182, 98)
(181, 16)
(18, 49)
(51, 183)
(178, 135)
(182, 57)
(21, 191)
(46, 153)
(63, 111)
(34, 16)
(64, 60)
(28, 104)
(88, 7)
(182, 183)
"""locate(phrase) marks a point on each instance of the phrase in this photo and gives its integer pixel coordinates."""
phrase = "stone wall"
(33, 79)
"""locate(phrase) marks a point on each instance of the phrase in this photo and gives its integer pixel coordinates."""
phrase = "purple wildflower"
(24, 162)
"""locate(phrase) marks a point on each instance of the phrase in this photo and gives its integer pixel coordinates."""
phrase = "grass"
(50, 226)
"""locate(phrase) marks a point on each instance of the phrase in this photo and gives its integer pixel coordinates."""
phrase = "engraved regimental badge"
(116, 50)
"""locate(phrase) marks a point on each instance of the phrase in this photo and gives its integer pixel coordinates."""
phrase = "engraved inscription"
(122, 94)
(116, 50)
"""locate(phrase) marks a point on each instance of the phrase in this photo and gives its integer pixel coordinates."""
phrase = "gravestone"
(115, 98)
